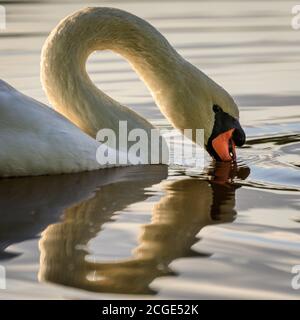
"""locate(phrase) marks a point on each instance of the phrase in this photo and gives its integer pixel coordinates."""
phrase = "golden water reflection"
(187, 206)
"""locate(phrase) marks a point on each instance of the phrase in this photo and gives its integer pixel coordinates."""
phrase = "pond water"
(227, 231)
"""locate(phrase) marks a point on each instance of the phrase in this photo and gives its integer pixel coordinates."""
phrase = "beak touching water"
(224, 146)
(226, 135)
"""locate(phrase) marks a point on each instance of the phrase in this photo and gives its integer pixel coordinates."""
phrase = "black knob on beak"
(239, 137)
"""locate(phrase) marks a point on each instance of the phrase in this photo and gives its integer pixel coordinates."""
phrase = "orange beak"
(224, 146)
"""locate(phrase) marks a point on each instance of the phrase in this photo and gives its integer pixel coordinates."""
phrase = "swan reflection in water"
(187, 205)
(70, 210)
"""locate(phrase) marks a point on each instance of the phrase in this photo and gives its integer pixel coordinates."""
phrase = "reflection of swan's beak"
(224, 172)
(223, 188)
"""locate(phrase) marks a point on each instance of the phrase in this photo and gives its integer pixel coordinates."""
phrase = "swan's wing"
(37, 140)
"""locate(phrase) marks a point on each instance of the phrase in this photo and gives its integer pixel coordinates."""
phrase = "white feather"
(37, 140)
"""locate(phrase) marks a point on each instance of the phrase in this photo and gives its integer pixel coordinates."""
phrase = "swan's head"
(203, 104)
(226, 133)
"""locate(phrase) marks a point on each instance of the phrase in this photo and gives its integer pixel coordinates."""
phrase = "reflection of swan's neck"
(68, 85)
(185, 208)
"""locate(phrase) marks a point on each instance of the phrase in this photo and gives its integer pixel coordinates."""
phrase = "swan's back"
(36, 140)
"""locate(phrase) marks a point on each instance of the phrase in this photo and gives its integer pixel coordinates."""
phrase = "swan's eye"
(216, 108)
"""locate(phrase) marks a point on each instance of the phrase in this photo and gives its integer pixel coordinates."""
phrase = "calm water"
(151, 231)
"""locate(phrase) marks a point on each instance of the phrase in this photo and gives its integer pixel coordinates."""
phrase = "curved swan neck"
(63, 66)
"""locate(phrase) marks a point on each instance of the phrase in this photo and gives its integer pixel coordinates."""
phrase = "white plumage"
(37, 140)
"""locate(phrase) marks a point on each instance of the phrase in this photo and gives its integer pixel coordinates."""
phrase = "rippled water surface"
(229, 231)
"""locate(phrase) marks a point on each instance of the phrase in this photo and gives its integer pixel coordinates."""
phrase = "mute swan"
(37, 140)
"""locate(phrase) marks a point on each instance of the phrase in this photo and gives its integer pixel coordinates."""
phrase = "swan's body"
(37, 140)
